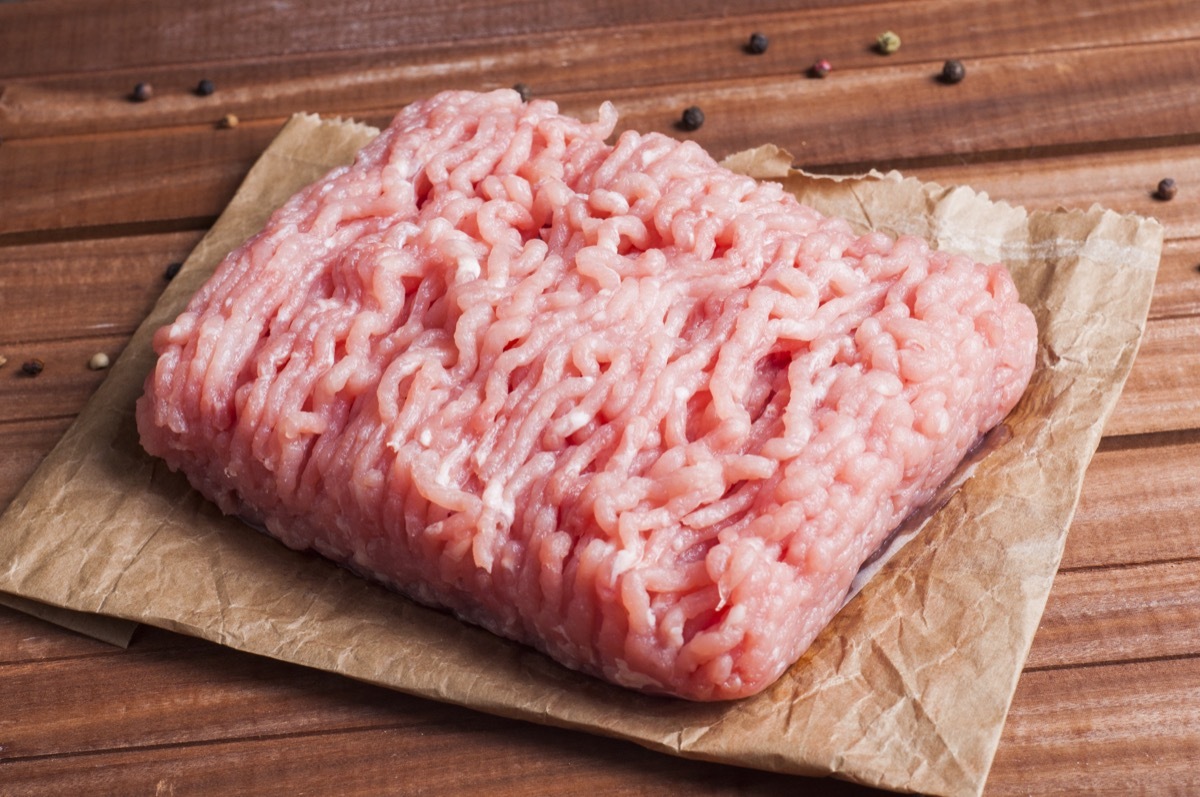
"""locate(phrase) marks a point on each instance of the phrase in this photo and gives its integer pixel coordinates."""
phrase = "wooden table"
(1065, 103)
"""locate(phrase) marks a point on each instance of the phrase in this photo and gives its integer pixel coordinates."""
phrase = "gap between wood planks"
(1127, 442)
(1004, 156)
(106, 231)
(193, 743)
(1189, 657)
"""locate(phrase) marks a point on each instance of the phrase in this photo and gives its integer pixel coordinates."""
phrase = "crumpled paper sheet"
(908, 687)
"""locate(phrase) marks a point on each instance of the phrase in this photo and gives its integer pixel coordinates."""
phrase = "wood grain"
(191, 172)
(1086, 731)
(1065, 104)
(197, 693)
(25, 639)
(192, 710)
(90, 287)
(1127, 613)
(92, 181)
(1121, 180)
(1177, 289)
(814, 25)
(25, 446)
(532, 761)
(128, 33)
(1160, 394)
(1139, 503)
(347, 73)
(64, 384)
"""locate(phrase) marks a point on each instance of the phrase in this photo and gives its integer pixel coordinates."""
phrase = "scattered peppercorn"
(99, 361)
(1166, 190)
(205, 87)
(142, 92)
(171, 271)
(887, 43)
(820, 68)
(758, 44)
(32, 367)
(692, 118)
(523, 90)
(953, 72)
(228, 122)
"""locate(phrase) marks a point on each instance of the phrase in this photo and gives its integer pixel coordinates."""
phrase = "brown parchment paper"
(907, 689)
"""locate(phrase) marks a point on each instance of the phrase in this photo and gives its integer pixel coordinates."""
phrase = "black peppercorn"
(953, 72)
(1166, 190)
(692, 118)
(757, 44)
(205, 87)
(523, 90)
(820, 68)
(142, 92)
(171, 271)
(32, 367)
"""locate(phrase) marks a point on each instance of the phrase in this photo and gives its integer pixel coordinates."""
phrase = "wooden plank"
(1139, 503)
(111, 39)
(25, 445)
(84, 181)
(83, 288)
(1160, 394)
(191, 172)
(192, 691)
(504, 757)
(640, 53)
(158, 696)
(1121, 180)
(1075, 731)
(1122, 729)
(1177, 288)
(193, 697)
(65, 383)
(87, 37)
(1120, 614)
(25, 640)
(1011, 105)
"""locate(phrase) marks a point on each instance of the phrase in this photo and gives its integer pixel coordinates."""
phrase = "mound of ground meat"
(613, 401)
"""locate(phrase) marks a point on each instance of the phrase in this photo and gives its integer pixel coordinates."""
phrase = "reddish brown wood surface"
(1065, 104)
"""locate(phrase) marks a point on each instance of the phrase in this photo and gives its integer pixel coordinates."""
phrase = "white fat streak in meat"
(468, 269)
(495, 501)
(634, 679)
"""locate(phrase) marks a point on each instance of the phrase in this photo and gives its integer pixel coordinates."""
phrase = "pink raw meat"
(615, 402)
